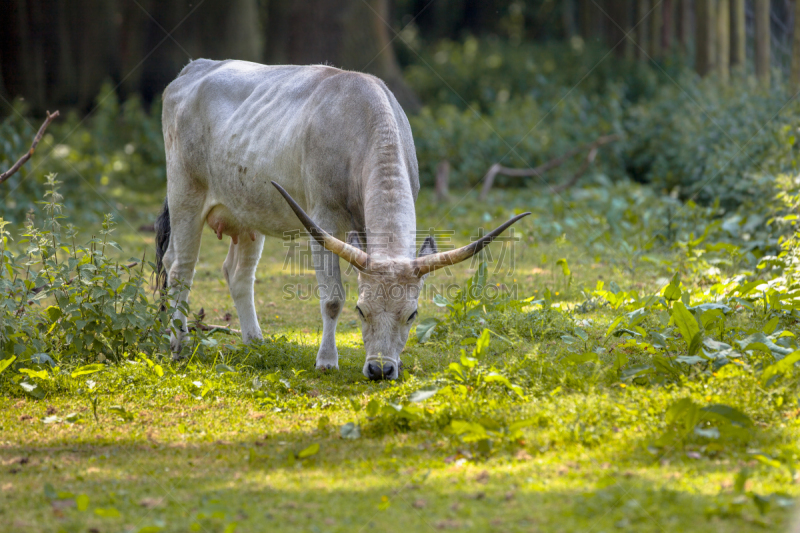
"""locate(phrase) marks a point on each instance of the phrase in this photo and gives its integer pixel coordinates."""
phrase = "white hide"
(340, 145)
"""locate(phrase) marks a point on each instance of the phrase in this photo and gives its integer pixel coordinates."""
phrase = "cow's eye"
(360, 312)
(412, 317)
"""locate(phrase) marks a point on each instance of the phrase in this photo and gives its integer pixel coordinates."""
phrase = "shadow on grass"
(346, 486)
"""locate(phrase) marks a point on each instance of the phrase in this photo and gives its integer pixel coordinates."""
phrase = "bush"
(62, 302)
(118, 148)
(490, 102)
(480, 73)
(713, 142)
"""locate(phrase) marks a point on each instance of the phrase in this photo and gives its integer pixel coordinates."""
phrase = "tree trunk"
(795, 73)
(667, 25)
(684, 25)
(95, 46)
(723, 39)
(738, 35)
(704, 37)
(655, 29)
(642, 19)
(63, 85)
(618, 26)
(351, 34)
(762, 58)
(3, 92)
(590, 20)
(568, 18)
(212, 29)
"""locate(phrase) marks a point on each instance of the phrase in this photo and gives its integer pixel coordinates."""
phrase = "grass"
(196, 447)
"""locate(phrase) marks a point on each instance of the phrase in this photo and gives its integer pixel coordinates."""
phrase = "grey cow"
(255, 150)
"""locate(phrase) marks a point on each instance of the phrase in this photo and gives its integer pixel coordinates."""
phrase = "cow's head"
(389, 288)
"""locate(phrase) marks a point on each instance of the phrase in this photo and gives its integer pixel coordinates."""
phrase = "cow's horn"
(429, 263)
(351, 254)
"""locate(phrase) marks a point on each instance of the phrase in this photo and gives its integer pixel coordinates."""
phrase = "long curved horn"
(351, 254)
(429, 263)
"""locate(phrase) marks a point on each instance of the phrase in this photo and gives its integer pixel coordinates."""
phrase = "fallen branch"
(24, 159)
(497, 168)
(212, 327)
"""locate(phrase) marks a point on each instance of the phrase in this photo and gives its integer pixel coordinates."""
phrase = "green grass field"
(528, 434)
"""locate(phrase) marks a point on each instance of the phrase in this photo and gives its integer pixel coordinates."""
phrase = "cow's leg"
(186, 226)
(331, 300)
(239, 270)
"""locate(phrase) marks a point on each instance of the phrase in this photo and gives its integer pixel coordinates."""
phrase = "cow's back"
(236, 126)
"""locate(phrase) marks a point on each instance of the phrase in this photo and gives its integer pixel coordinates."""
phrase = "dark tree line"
(57, 53)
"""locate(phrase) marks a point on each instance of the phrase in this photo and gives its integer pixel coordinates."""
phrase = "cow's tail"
(162, 228)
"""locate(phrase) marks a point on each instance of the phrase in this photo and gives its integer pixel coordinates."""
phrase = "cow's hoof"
(324, 367)
(375, 371)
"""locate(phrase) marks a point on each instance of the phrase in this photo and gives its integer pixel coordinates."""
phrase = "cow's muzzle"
(381, 369)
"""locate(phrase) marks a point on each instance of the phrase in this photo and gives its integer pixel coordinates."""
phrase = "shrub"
(117, 148)
(490, 102)
(63, 302)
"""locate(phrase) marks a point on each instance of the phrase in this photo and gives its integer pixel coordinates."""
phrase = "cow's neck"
(389, 215)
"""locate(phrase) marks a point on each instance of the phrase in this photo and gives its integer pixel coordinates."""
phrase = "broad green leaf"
(107, 512)
(350, 431)
(711, 433)
(580, 358)
(373, 408)
(32, 389)
(5, 363)
(617, 321)
(41, 374)
(741, 480)
(770, 326)
(684, 411)
(784, 366)
(685, 321)
(422, 395)
(53, 313)
(82, 502)
(88, 369)
(672, 292)
(355, 404)
(224, 369)
(483, 343)
(730, 413)
(697, 341)
(425, 329)
(564, 267)
(440, 300)
(42, 359)
(496, 377)
(308, 452)
(469, 431)
(466, 361)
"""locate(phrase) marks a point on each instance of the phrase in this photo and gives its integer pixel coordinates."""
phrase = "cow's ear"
(354, 239)
(428, 247)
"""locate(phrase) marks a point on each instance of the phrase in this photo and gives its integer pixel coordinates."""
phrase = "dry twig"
(212, 327)
(497, 168)
(24, 159)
